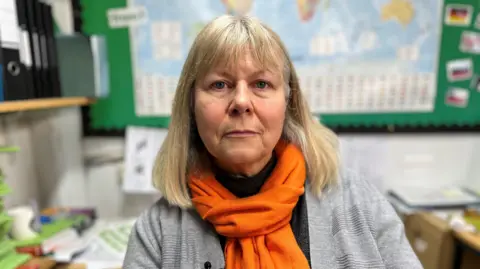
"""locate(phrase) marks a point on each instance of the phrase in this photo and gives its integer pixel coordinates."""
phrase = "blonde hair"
(225, 40)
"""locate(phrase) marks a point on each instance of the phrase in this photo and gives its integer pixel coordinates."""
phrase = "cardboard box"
(470, 260)
(431, 239)
(471, 249)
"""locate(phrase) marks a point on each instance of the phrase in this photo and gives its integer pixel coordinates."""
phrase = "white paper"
(434, 196)
(9, 32)
(125, 17)
(142, 145)
(100, 254)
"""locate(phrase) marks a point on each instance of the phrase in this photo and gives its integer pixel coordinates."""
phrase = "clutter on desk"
(457, 206)
(429, 197)
(64, 235)
(433, 217)
(9, 258)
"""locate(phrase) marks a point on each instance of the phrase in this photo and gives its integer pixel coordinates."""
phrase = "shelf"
(34, 104)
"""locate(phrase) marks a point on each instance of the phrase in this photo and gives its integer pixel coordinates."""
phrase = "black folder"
(25, 49)
(51, 50)
(12, 75)
(43, 57)
(77, 15)
(32, 27)
(41, 26)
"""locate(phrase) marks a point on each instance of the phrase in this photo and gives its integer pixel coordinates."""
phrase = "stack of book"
(9, 258)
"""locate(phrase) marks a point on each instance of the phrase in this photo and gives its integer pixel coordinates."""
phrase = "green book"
(14, 260)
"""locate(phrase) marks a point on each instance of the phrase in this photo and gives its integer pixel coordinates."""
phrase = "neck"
(245, 169)
(244, 186)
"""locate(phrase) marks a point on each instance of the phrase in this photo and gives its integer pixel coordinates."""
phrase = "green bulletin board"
(117, 111)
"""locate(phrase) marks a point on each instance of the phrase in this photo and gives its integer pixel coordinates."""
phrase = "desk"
(465, 240)
(470, 239)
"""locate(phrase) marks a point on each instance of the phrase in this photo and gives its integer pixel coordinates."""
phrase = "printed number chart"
(369, 93)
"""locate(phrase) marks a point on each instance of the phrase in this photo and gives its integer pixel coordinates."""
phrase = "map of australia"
(401, 10)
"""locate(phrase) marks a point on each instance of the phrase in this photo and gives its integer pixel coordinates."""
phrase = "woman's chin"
(241, 156)
(243, 159)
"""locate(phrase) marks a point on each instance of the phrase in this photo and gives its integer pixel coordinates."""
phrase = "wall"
(18, 168)
(104, 170)
(49, 167)
(474, 172)
(418, 160)
(57, 144)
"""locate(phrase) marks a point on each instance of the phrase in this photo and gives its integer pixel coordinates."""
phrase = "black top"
(244, 186)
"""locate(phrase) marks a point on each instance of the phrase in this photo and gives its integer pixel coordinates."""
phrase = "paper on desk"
(106, 252)
(104, 265)
(435, 196)
(142, 145)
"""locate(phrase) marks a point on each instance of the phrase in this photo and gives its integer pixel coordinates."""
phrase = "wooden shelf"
(34, 104)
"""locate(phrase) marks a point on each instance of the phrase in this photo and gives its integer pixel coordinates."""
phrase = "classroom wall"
(49, 167)
(18, 168)
(474, 172)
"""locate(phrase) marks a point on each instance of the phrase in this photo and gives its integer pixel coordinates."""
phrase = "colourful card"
(470, 42)
(460, 69)
(457, 97)
(458, 15)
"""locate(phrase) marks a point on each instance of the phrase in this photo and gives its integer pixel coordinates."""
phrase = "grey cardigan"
(351, 225)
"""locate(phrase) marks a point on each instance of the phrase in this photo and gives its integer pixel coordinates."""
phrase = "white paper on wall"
(142, 145)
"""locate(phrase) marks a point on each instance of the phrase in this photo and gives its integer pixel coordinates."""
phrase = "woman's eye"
(218, 85)
(261, 84)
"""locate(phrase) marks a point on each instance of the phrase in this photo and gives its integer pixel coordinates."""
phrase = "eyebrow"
(254, 74)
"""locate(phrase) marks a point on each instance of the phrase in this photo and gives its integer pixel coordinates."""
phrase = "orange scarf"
(258, 227)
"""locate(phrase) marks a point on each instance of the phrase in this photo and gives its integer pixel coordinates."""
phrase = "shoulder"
(352, 189)
(363, 221)
(162, 219)
(356, 202)
(150, 224)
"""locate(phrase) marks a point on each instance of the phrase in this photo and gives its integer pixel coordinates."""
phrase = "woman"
(249, 179)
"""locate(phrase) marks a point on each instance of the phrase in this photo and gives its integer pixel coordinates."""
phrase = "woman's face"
(239, 114)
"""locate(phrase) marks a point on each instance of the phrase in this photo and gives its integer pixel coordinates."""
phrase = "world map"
(381, 41)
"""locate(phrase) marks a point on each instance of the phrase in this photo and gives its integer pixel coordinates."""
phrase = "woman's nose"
(241, 101)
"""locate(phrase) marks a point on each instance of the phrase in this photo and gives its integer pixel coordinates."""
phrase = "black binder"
(46, 77)
(77, 15)
(51, 50)
(32, 27)
(24, 47)
(12, 75)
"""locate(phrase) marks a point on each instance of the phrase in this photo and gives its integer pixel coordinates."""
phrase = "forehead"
(233, 42)
(248, 64)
